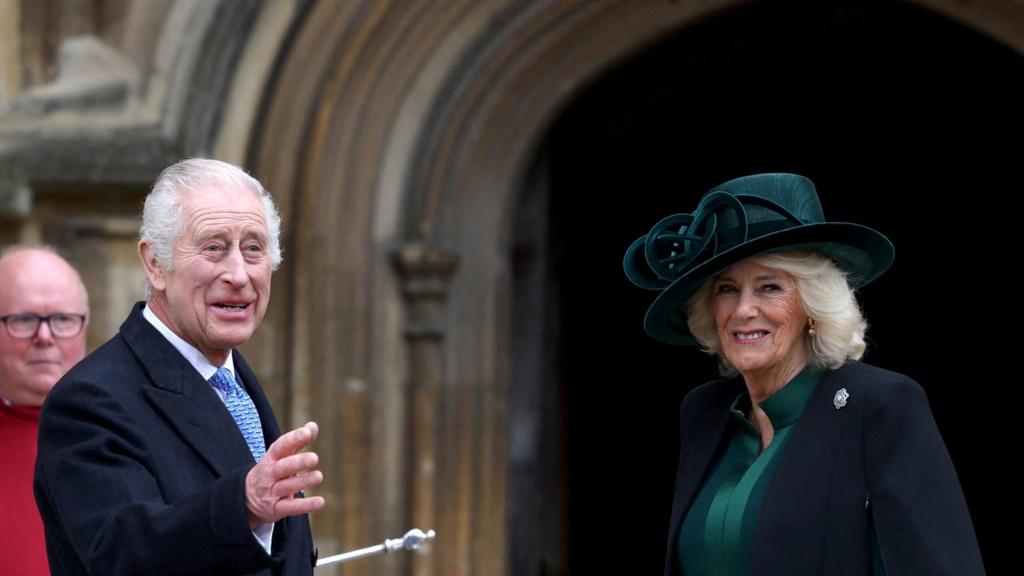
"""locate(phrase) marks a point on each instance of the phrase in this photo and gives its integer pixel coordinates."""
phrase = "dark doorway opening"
(902, 119)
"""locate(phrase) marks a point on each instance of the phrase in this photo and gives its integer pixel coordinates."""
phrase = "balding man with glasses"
(44, 309)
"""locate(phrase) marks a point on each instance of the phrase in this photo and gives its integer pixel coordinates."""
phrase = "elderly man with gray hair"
(159, 453)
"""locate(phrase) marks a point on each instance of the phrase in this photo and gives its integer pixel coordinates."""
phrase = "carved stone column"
(425, 271)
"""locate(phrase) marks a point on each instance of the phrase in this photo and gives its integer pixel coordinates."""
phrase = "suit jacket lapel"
(259, 399)
(190, 405)
(270, 433)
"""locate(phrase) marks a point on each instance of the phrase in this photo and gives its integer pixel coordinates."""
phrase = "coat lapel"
(797, 500)
(189, 404)
(259, 399)
(701, 439)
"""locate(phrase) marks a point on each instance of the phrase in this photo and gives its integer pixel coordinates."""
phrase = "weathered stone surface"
(91, 75)
(15, 195)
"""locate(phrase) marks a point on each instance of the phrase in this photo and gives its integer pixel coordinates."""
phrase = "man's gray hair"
(162, 217)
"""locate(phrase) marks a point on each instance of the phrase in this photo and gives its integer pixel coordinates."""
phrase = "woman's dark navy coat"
(878, 462)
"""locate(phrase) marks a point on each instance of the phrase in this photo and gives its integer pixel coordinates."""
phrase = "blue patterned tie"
(242, 410)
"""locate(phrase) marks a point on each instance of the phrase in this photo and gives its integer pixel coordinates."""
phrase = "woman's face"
(760, 319)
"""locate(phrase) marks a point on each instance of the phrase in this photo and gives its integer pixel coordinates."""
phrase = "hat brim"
(864, 254)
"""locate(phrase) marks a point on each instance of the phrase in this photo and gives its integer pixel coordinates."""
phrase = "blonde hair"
(826, 296)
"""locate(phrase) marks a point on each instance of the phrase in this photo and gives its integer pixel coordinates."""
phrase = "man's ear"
(154, 271)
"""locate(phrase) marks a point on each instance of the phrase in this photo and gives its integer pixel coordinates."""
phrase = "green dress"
(717, 533)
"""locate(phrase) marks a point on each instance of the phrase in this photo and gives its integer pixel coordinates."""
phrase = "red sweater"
(22, 546)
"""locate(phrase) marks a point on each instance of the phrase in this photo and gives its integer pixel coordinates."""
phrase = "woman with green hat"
(802, 459)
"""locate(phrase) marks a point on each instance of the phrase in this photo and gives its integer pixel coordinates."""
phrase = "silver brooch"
(841, 397)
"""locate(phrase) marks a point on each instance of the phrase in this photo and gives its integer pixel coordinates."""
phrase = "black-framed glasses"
(25, 326)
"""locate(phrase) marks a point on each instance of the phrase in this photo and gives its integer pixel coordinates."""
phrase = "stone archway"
(384, 128)
(390, 126)
(354, 145)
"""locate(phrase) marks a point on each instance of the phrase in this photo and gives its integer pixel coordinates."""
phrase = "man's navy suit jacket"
(141, 469)
(877, 465)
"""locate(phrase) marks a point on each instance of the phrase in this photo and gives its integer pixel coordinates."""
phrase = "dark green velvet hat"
(734, 221)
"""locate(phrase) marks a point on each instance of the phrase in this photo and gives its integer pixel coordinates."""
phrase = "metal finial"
(412, 540)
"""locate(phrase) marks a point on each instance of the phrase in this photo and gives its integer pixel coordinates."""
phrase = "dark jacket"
(878, 463)
(141, 469)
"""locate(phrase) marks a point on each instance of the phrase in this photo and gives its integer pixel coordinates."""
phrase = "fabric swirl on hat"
(679, 242)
